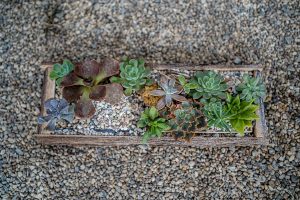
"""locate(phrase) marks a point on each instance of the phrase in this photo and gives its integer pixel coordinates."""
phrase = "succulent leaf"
(98, 92)
(85, 108)
(72, 93)
(71, 80)
(56, 109)
(114, 93)
(87, 69)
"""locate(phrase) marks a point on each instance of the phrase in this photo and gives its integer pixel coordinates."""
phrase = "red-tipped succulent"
(83, 85)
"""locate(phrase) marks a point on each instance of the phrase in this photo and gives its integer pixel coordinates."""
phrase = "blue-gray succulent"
(56, 109)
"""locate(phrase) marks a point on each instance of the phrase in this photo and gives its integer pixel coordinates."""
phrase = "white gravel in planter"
(120, 119)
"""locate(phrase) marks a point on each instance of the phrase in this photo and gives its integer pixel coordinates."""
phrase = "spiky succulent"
(251, 88)
(83, 85)
(210, 86)
(154, 124)
(217, 116)
(59, 71)
(242, 113)
(187, 120)
(134, 76)
(56, 109)
(170, 91)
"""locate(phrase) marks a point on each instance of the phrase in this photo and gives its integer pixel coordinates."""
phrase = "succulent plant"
(56, 109)
(154, 124)
(187, 120)
(59, 71)
(251, 88)
(242, 113)
(217, 116)
(170, 91)
(210, 86)
(84, 85)
(134, 76)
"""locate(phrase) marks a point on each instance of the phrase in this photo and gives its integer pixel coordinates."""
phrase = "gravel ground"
(200, 32)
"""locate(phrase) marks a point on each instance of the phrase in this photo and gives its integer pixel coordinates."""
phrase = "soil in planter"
(121, 119)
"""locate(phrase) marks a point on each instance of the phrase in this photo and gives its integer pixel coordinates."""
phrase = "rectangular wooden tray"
(260, 128)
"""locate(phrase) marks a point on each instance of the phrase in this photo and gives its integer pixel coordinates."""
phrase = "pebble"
(200, 32)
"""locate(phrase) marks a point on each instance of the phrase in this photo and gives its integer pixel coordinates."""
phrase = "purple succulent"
(56, 109)
(170, 91)
(86, 84)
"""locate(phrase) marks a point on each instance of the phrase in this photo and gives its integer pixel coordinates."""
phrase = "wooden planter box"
(259, 129)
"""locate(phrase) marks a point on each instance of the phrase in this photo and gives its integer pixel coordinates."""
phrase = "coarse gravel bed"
(200, 32)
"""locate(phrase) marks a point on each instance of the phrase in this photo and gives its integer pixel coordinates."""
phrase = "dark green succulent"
(154, 124)
(59, 71)
(210, 86)
(251, 88)
(242, 113)
(134, 76)
(170, 91)
(85, 85)
(56, 109)
(187, 120)
(217, 116)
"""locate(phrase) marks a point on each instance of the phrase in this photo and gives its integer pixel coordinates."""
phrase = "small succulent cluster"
(183, 105)
(56, 109)
(155, 125)
(134, 76)
(169, 92)
(251, 89)
(241, 113)
(207, 85)
(59, 71)
(217, 115)
(186, 121)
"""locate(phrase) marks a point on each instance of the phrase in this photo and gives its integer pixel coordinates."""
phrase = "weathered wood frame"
(260, 129)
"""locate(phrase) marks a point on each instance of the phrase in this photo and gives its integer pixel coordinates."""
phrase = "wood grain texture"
(259, 129)
(206, 67)
(48, 92)
(78, 140)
